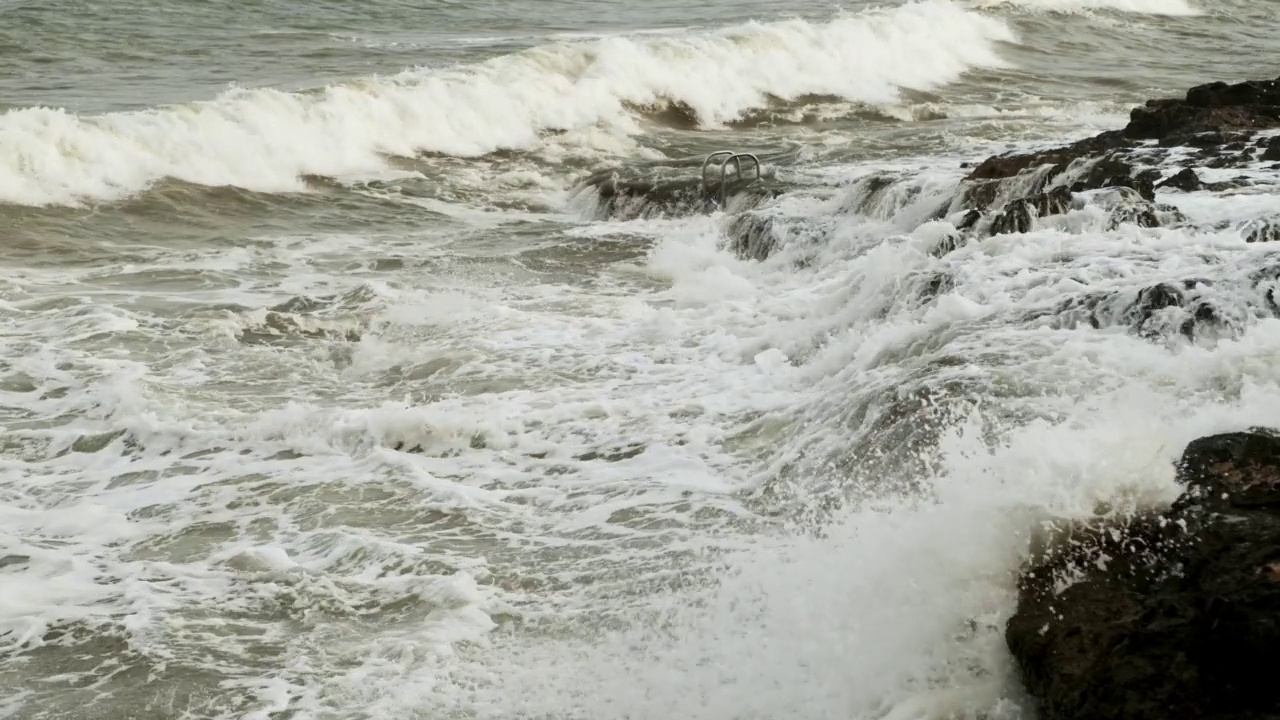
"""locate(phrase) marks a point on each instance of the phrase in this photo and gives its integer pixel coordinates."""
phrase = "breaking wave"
(268, 140)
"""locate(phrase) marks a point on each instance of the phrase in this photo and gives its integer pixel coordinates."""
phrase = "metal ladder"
(729, 157)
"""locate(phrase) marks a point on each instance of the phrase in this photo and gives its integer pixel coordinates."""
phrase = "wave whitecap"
(265, 140)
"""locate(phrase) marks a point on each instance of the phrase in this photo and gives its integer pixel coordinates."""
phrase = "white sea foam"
(548, 486)
(266, 140)
(897, 609)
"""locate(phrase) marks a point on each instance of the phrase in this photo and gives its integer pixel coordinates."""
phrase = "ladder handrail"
(736, 159)
(730, 157)
(707, 162)
(724, 168)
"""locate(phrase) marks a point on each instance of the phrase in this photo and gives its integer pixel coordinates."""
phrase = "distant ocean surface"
(328, 391)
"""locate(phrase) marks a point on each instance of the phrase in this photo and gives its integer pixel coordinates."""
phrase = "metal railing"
(730, 157)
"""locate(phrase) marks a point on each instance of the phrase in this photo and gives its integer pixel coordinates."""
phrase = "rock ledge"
(1171, 616)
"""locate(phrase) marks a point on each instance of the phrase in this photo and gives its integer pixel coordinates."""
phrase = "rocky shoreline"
(1172, 615)
(1215, 126)
(1218, 138)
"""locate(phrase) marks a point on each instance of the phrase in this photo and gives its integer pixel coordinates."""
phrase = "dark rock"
(1220, 94)
(1173, 614)
(649, 190)
(986, 183)
(1054, 202)
(1186, 180)
(948, 244)
(1261, 230)
(751, 236)
(867, 195)
(980, 194)
(1111, 171)
(1205, 317)
(1208, 109)
(1019, 216)
(1158, 297)
(1015, 218)
(1007, 166)
(1212, 139)
(998, 167)
(969, 220)
(1127, 207)
(937, 285)
(1219, 119)
(1145, 183)
(1273, 149)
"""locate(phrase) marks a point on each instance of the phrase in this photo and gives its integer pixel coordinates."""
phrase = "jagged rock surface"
(1172, 615)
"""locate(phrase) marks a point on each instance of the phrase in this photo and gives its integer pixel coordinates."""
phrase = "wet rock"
(1073, 173)
(630, 197)
(1220, 94)
(937, 285)
(664, 190)
(1186, 180)
(1127, 207)
(1262, 230)
(1272, 151)
(1111, 171)
(1015, 218)
(1212, 139)
(1158, 297)
(869, 191)
(948, 244)
(1163, 311)
(1218, 119)
(1007, 166)
(882, 196)
(1208, 109)
(969, 220)
(980, 195)
(751, 236)
(1171, 614)
(1054, 202)
(1019, 215)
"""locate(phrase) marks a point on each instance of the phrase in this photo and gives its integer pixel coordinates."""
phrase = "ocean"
(330, 388)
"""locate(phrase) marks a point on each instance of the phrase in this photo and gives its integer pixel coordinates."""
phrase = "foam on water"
(895, 610)
(588, 469)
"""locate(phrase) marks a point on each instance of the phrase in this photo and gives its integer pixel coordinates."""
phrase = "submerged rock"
(651, 190)
(751, 236)
(1171, 615)
(1262, 230)
(1015, 218)
(1054, 202)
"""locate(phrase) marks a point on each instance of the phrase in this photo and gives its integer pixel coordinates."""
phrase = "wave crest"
(267, 140)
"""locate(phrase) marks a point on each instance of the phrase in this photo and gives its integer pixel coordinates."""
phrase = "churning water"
(328, 390)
